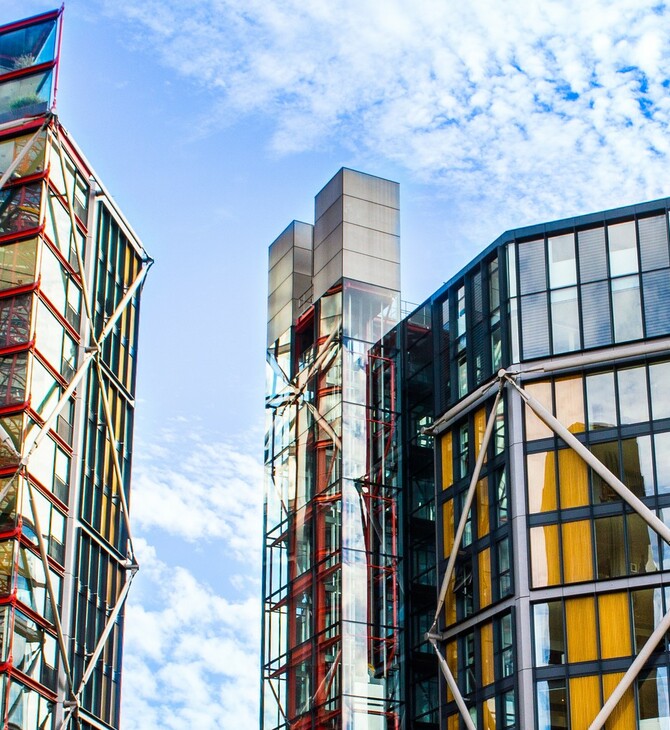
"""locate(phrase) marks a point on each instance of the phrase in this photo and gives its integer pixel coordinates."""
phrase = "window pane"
(562, 264)
(659, 377)
(584, 701)
(662, 454)
(532, 267)
(653, 700)
(608, 454)
(577, 560)
(592, 258)
(647, 613)
(633, 395)
(570, 403)
(601, 400)
(580, 620)
(610, 547)
(626, 309)
(545, 556)
(614, 625)
(551, 705)
(638, 473)
(656, 296)
(596, 314)
(535, 325)
(17, 263)
(653, 242)
(549, 634)
(642, 546)
(541, 482)
(573, 479)
(565, 320)
(535, 428)
(622, 248)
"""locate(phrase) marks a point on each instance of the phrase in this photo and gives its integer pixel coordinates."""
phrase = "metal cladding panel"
(281, 245)
(302, 234)
(368, 187)
(281, 271)
(280, 323)
(371, 242)
(328, 249)
(329, 221)
(371, 270)
(371, 215)
(327, 276)
(302, 260)
(301, 283)
(280, 297)
(328, 195)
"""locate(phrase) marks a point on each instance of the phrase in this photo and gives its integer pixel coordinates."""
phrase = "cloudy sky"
(214, 123)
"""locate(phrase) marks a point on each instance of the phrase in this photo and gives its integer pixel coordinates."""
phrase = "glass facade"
(70, 276)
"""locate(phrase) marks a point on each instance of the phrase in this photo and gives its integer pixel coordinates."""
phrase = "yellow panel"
(488, 673)
(490, 714)
(480, 427)
(447, 460)
(584, 701)
(570, 403)
(452, 720)
(536, 429)
(545, 566)
(623, 715)
(448, 526)
(450, 602)
(614, 625)
(541, 482)
(484, 577)
(483, 507)
(572, 479)
(580, 624)
(451, 655)
(577, 551)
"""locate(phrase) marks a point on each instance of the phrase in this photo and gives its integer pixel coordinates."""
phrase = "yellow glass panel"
(450, 602)
(570, 403)
(483, 507)
(447, 460)
(451, 655)
(452, 720)
(484, 577)
(536, 429)
(614, 625)
(488, 673)
(545, 563)
(480, 427)
(623, 715)
(448, 526)
(577, 551)
(490, 714)
(580, 624)
(572, 479)
(541, 482)
(584, 701)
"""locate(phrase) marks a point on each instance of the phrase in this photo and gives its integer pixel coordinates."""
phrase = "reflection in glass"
(552, 705)
(17, 263)
(659, 377)
(601, 400)
(626, 309)
(610, 547)
(622, 248)
(549, 633)
(562, 264)
(565, 320)
(656, 296)
(633, 395)
(653, 701)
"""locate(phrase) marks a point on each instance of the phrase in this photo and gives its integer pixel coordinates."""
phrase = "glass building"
(483, 520)
(71, 271)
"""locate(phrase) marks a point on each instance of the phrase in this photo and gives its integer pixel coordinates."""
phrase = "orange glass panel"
(488, 673)
(541, 482)
(584, 701)
(480, 427)
(450, 602)
(535, 428)
(448, 526)
(483, 507)
(580, 624)
(452, 720)
(623, 715)
(447, 460)
(572, 479)
(570, 403)
(614, 625)
(545, 563)
(484, 577)
(577, 551)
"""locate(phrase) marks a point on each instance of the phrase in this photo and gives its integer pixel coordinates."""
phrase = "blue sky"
(214, 123)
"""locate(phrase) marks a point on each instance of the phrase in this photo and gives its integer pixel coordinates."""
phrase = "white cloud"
(200, 490)
(190, 655)
(531, 109)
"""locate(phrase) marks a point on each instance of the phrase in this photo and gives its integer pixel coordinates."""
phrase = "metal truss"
(509, 379)
(92, 357)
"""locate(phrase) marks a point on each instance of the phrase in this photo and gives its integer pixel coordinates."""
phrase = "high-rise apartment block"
(468, 511)
(71, 271)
